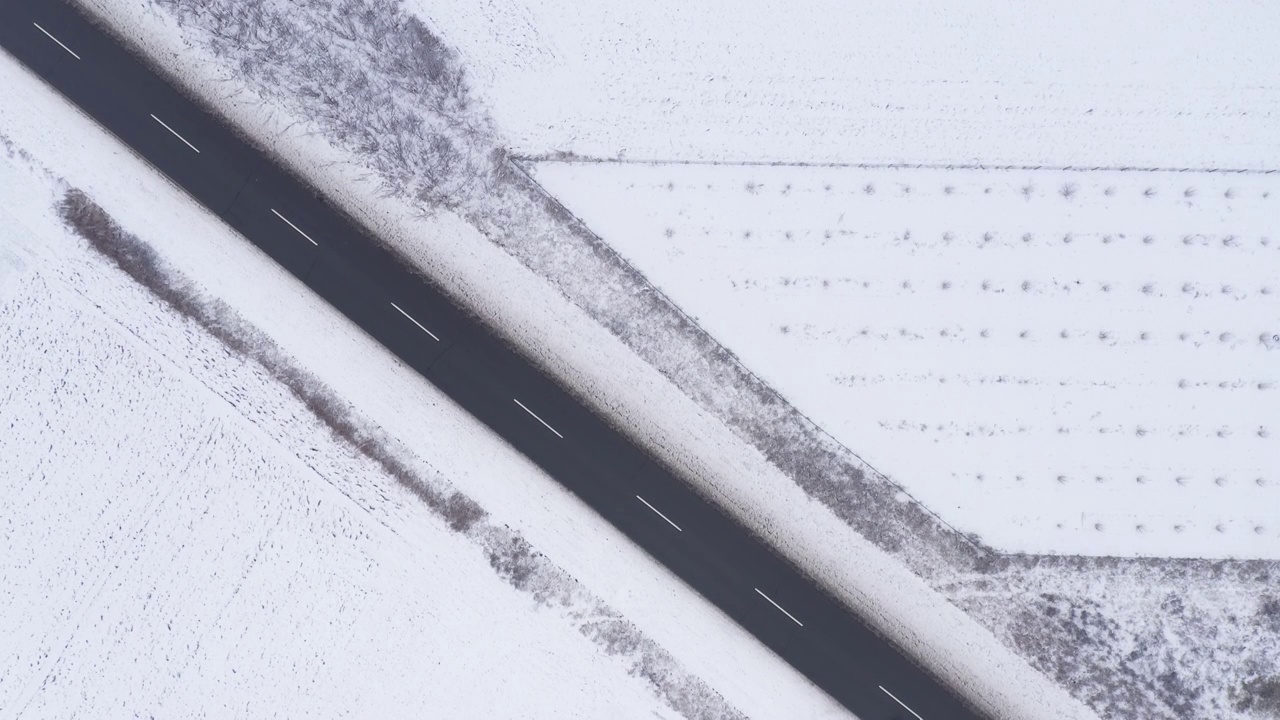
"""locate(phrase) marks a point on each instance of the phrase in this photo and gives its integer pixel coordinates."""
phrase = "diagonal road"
(339, 262)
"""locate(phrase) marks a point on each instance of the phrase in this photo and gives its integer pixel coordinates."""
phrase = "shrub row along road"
(716, 556)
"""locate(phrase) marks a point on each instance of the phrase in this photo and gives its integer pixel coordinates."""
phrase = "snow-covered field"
(185, 537)
(1067, 363)
(994, 81)
(166, 555)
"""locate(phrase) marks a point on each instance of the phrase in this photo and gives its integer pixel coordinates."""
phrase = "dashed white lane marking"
(415, 322)
(784, 612)
(193, 147)
(286, 221)
(51, 37)
(535, 417)
(895, 699)
(664, 517)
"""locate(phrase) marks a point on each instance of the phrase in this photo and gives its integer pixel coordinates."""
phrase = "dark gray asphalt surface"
(714, 555)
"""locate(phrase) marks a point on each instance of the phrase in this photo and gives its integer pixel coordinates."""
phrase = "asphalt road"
(339, 262)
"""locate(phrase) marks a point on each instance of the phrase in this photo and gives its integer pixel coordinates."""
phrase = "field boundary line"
(568, 159)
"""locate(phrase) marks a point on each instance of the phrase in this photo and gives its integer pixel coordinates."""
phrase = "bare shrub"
(376, 81)
(1260, 696)
(1068, 190)
(1269, 613)
(514, 560)
(461, 512)
(689, 697)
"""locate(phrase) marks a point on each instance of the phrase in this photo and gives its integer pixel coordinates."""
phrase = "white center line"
(193, 147)
(895, 699)
(664, 517)
(51, 37)
(415, 322)
(295, 227)
(784, 612)
(535, 417)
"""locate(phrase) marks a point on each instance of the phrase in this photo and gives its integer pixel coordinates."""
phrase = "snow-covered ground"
(184, 535)
(165, 556)
(994, 81)
(1150, 639)
(1065, 363)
